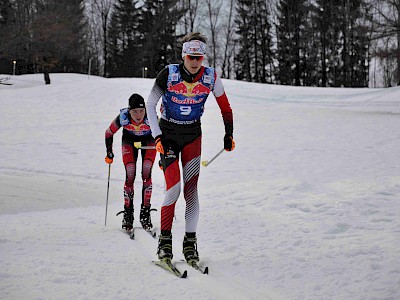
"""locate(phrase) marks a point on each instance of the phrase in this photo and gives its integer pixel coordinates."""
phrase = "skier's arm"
(110, 131)
(225, 107)
(154, 97)
(159, 87)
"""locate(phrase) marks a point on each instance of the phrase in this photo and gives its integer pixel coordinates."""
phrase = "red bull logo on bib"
(189, 89)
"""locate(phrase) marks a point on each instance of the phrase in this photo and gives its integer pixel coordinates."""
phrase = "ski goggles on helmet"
(194, 48)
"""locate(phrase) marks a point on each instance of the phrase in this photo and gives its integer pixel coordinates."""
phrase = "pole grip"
(206, 163)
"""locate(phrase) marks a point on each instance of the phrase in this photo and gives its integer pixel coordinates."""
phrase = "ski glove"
(162, 145)
(109, 157)
(229, 144)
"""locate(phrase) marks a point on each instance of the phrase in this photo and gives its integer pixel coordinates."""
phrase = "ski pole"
(108, 189)
(206, 162)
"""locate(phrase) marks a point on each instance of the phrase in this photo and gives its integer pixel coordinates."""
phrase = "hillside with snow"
(306, 206)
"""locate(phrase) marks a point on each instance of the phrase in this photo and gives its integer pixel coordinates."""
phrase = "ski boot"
(127, 220)
(165, 245)
(190, 247)
(145, 218)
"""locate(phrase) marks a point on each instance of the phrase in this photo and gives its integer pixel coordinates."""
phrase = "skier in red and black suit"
(136, 129)
(184, 89)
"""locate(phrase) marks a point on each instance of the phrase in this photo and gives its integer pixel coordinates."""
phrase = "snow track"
(305, 207)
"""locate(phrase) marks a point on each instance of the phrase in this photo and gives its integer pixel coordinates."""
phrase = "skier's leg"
(191, 168)
(148, 157)
(129, 157)
(173, 188)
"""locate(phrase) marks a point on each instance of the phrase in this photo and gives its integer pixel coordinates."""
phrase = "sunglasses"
(192, 57)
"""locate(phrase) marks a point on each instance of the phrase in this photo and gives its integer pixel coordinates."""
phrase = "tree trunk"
(398, 55)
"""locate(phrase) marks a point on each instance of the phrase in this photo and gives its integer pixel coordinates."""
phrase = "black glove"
(110, 154)
(229, 144)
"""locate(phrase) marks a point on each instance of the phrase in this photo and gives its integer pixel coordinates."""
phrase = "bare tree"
(94, 34)
(387, 29)
(103, 8)
(192, 11)
(228, 48)
(213, 10)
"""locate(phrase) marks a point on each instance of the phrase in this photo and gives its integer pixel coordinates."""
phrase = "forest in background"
(324, 43)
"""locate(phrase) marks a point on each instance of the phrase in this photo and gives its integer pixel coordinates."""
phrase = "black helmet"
(136, 101)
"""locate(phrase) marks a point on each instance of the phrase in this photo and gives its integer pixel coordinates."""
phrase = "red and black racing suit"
(184, 135)
(132, 133)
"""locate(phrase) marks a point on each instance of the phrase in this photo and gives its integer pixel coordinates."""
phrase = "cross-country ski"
(167, 265)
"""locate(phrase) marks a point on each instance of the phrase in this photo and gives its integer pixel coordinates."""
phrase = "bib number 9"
(185, 110)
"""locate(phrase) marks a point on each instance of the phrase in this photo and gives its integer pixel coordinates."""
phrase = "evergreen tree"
(44, 34)
(57, 35)
(292, 41)
(5, 12)
(311, 71)
(244, 56)
(142, 37)
(159, 45)
(6, 34)
(254, 58)
(327, 20)
(341, 36)
(355, 42)
(124, 39)
(262, 42)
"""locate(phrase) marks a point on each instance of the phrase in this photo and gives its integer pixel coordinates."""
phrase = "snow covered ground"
(306, 207)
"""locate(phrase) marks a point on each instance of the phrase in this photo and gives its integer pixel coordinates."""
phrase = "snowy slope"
(306, 206)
